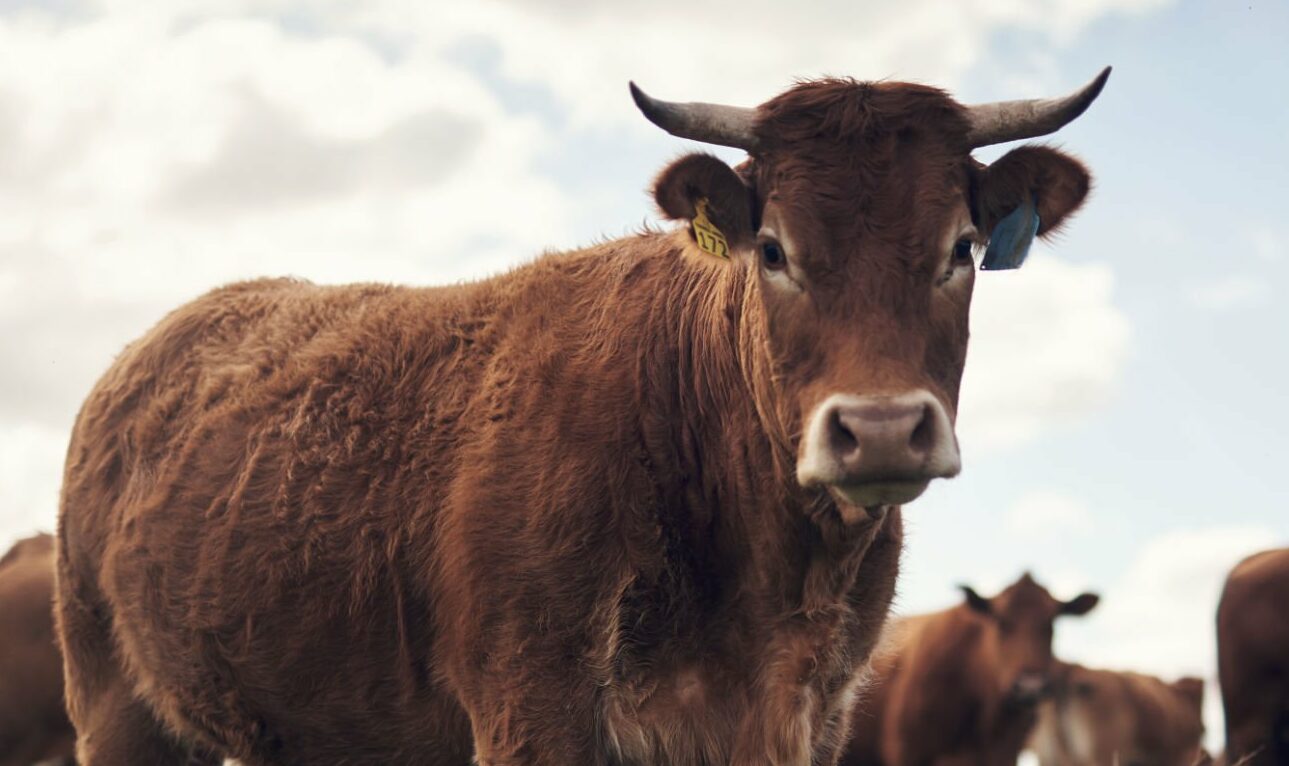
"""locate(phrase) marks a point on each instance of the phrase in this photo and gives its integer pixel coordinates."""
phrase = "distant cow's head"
(27, 548)
(856, 217)
(1190, 690)
(1019, 624)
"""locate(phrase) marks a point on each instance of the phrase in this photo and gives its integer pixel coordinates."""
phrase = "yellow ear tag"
(710, 239)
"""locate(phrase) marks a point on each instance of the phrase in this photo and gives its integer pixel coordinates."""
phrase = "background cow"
(1253, 659)
(33, 723)
(1096, 717)
(961, 685)
(636, 503)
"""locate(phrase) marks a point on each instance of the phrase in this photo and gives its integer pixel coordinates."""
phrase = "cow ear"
(1080, 604)
(975, 601)
(1192, 689)
(1030, 191)
(704, 191)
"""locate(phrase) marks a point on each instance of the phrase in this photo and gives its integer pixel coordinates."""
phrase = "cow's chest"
(769, 676)
(783, 699)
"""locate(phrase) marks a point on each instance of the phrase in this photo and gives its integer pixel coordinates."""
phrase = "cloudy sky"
(1124, 407)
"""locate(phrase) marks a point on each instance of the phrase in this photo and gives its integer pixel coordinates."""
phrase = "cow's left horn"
(1013, 120)
(709, 123)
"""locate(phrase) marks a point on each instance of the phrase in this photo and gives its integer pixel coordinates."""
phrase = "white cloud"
(322, 148)
(1159, 615)
(1047, 513)
(1230, 292)
(31, 471)
(738, 53)
(583, 52)
(1267, 245)
(1047, 347)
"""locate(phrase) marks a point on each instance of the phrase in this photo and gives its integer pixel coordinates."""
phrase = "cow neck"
(725, 478)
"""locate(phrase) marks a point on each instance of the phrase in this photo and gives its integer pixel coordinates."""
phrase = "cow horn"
(709, 123)
(1013, 120)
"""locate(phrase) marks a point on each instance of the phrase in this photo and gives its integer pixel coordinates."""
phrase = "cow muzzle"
(878, 450)
(1029, 688)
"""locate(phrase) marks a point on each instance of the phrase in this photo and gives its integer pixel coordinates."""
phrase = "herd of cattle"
(634, 504)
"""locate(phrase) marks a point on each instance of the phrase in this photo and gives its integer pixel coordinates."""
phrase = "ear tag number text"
(710, 239)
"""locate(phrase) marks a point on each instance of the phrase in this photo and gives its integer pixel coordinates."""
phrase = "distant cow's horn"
(709, 123)
(1013, 120)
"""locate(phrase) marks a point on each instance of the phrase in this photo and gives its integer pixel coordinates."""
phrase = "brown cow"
(631, 504)
(1097, 717)
(960, 686)
(33, 722)
(1253, 659)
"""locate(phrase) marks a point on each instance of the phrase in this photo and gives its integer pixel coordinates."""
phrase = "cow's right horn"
(1004, 121)
(709, 123)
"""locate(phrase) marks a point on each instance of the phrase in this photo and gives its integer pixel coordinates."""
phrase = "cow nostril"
(841, 440)
(923, 437)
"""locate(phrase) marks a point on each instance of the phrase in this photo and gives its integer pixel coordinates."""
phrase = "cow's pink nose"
(878, 442)
(881, 438)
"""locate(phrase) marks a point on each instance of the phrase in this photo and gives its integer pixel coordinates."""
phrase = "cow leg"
(121, 730)
(113, 726)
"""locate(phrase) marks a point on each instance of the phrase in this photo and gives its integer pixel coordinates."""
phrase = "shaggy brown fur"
(1097, 717)
(1253, 659)
(33, 723)
(960, 686)
(551, 517)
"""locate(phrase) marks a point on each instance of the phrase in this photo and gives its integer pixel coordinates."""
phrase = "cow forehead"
(848, 143)
(901, 189)
(883, 205)
(852, 112)
(32, 546)
(1027, 598)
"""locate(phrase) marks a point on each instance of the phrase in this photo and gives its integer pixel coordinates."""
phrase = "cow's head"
(1018, 624)
(29, 547)
(856, 218)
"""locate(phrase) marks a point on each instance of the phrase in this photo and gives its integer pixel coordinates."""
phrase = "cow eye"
(962, 251)
(772, 257)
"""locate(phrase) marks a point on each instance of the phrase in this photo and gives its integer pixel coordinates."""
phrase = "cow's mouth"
(875, 493)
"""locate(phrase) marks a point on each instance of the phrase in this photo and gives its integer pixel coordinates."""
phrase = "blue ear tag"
(1009, 243)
